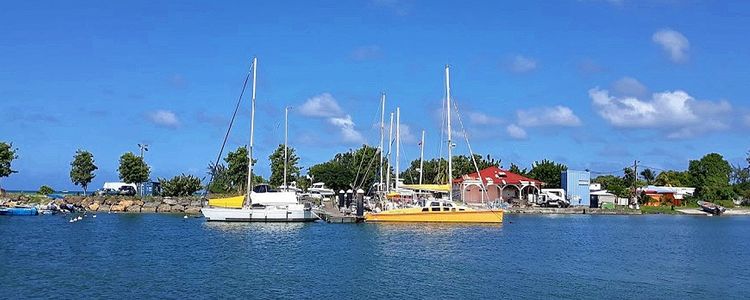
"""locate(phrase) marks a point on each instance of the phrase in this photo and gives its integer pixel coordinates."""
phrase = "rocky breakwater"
(186, 205)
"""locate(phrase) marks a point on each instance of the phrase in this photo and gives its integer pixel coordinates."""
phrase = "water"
(166, 256)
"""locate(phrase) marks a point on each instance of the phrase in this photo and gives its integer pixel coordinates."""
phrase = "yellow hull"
(473, 216)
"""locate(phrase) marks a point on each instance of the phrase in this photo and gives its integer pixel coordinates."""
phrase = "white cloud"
(164, 118)
(516, 131)
(628, 86)
(323, 105)
(674, 43)
(366, 52)
(675, 112)
(346, 128)
(480, 118)
(522, 64)
(548, 116)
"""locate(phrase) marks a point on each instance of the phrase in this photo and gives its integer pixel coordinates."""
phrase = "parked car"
(106, 192)
(126, 190)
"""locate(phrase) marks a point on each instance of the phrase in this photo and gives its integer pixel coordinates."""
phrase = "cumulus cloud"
(366, 53)
(323, 105)
(675, 112)
(163, 118)
(673, 43)
(628, 86)
(516, 131)
(346, 127)
(480, 118)
(548, 116)
(522, 64)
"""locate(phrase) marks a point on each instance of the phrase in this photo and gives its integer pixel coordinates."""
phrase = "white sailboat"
(261, 203)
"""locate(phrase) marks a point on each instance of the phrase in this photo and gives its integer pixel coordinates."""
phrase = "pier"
(331, 214)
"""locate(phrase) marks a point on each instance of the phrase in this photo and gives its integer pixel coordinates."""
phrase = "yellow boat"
(437, 212)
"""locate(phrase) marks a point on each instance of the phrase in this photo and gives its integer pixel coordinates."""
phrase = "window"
(436, 209)
(461, 209)
(434, 203)
(425, 209)
(446, 209)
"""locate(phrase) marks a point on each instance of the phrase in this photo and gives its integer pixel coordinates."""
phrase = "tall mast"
(252, 135)
(382, 135)
(421, 158)
(390, 161)
(398, 142)
(286, 141)
(450, 141)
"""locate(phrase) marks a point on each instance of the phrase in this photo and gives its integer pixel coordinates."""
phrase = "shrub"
(181, 185)
(45, 190)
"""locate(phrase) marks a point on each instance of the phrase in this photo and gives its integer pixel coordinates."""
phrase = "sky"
(594, 84)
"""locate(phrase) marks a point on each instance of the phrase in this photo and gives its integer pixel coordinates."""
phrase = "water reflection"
(254, 227)
(433, 228)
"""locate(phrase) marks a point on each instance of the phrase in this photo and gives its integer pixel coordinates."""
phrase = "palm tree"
(648, 175)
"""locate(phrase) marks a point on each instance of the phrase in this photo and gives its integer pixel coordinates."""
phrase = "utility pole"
(143, 147)
(635, 183)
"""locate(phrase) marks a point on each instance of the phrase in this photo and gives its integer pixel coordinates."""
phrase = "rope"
(226, 136)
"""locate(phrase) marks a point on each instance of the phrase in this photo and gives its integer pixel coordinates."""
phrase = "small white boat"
(319, 191)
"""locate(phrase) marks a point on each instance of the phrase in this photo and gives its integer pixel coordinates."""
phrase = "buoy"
(185, 217)
(94, 216)
(71, 221)
(80, 218)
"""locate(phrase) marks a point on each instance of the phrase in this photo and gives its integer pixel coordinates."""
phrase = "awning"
(443, 188)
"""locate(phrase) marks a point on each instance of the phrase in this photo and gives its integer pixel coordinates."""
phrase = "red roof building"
(501, 185)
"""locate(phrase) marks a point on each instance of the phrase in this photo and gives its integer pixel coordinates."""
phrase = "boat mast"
(248, 201)
(450, 142)
(390, 161)
(382, 135)
(398, 142)
(421, 158)
(286, 141)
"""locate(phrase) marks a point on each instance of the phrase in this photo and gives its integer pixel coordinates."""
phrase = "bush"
(45, 190)
(725, 203)
(182, 185)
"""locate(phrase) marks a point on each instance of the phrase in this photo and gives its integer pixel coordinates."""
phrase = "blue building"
(576, 186)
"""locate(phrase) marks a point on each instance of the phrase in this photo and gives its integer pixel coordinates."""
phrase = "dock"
(331, 214)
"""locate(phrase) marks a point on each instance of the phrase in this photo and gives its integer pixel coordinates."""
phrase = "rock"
(195, 203)
(86, 202)
(126, 203)
(193, 210)
(138, 202)
(110, 200)
(133, 208)
(116, 207)
(148, 209)
(178, 208)
(59, 202)
(11, 203)
(23, 198)
(164, 208)
(93, 207)
(151, 204)
(73, 200)
(170, 201)
(184, 202)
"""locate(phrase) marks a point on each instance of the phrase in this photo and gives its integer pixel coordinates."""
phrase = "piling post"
(342, 200)
(360, 203)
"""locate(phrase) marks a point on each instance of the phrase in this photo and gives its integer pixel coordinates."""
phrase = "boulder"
(178, 208)
(126, 203)
(148, 209)
(184, 202)
(195, 203)
(170, 201)
(151, 204)
(116, 208)
(110, 200)
(11, 203)
(138, 202)
(86, 202)
(133, 208)
(193, 210)
(93, 207)
(164, 208)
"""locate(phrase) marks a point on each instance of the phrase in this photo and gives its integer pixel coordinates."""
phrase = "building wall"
(576, 185)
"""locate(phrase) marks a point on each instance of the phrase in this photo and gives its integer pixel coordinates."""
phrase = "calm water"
(160, 256)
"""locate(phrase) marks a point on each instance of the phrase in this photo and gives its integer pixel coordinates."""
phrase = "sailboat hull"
(477, 216)
(291, 213)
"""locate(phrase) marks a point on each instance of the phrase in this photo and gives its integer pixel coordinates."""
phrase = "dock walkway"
(331, 214)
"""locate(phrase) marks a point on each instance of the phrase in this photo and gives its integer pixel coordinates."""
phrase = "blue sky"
(593, 84)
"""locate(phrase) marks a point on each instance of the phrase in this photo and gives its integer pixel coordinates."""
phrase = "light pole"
(143, 147)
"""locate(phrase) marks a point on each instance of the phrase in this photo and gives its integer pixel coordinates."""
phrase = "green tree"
(548, 172)
(710, 175)
(180, 186)
(516, 169)
(7, 155)
(277, 166)
(673, 178)
(349, 170)
(648, 175)
(613, 184)
(435, 170)
(133, 169)
(45, 190)
(237, 168)
(82, 169)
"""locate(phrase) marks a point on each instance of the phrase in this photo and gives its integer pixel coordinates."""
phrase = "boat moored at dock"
(435, 211)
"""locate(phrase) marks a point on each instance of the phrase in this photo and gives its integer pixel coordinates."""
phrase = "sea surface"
(536, 257)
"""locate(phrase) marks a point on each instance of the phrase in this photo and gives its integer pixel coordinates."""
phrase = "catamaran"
(261, 203)
(437, 210)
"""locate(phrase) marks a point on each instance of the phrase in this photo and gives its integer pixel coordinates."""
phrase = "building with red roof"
(501, 185)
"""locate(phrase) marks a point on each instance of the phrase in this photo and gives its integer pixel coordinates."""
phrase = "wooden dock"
(331, 214)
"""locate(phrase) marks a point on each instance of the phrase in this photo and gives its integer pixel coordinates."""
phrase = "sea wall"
(187, 205)
(573, 210)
